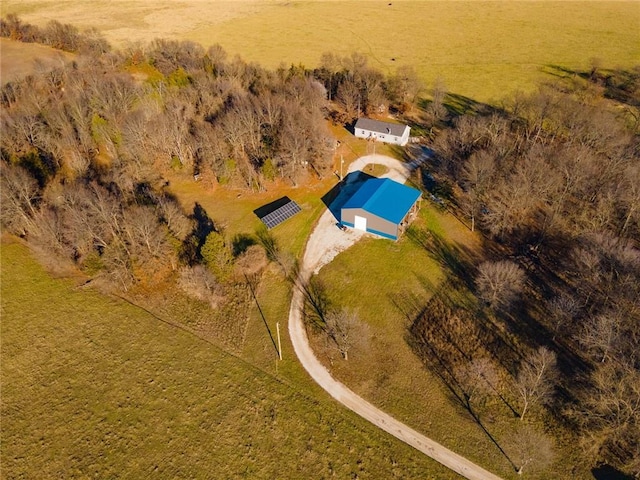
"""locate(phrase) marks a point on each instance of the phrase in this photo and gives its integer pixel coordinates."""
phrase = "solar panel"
(285, 209)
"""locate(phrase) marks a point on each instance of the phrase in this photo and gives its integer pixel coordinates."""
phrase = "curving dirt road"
(325, 242)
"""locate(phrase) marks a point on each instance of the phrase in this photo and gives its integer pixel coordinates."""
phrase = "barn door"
(360, 223)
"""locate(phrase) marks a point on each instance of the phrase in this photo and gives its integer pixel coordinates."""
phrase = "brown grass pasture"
(482, 50)
(95, 387)
(18, 59)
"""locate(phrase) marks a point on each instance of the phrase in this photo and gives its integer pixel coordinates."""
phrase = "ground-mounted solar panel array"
(277, 212)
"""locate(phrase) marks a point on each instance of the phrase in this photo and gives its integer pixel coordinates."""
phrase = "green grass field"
(392, 278)
(483, 50)
(95, 387)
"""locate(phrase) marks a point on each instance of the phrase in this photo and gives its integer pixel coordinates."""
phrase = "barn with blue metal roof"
(381, 206)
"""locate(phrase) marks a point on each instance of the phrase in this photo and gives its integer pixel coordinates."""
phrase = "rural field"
(118, 392)
(19, 59)
(481, 50)
(94, 385)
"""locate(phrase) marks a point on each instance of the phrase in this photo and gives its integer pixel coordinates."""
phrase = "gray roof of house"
(396, 129)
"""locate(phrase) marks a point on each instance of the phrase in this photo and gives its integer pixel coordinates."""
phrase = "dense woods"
(551, 179)
(87, 148)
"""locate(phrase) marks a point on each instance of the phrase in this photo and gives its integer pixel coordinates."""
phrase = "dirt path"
(325, 242)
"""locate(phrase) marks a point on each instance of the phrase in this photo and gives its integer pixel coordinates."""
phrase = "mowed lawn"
(482, 50)
(94, 387)
(386, 283)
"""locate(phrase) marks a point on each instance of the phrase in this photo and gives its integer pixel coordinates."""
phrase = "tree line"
(551, 179)
(87, 146)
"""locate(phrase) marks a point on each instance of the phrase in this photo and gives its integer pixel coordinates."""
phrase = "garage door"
(360, 223)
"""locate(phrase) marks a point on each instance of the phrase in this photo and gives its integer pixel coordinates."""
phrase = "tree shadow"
(41, 165)
(459, 330)
(458, 105)
(252, 283)
(268, 242)
(192, 245)
(456, 261)
(545, 259)
(241, 242)
(317, 303)
(412, 305)
(607, 472)
(620, 85)
(437, 362)
(560, 71)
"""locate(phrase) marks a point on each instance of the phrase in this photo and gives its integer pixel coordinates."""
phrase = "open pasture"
(19, 59)
(482, 50)
(94, 387)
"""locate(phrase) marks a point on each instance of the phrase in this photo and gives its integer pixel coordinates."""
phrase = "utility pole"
(341, 165)
(279, 344)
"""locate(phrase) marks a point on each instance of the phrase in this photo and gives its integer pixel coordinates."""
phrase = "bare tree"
(436, 109)
(477, 378)
(536, 379)
(145, 234)
(348, 96)
(499, 283)
(47, 234)
(20, 194)
(609, 415)
(404, 87)
(345, 329)
(251, 262)
(509, 205)
(600, 335)
(296, 143)
(117, 261)
(477, 174)
(177, 222)
(175, 139)
(529, 449)
(200, 283)
(564, 308)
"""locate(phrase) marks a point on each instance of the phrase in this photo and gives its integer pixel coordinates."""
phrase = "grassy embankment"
(481, 50)
(94, 387)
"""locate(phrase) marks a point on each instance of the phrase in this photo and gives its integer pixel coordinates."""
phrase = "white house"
(388, 132)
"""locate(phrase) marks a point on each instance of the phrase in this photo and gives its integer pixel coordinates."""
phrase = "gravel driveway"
(325, 242)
